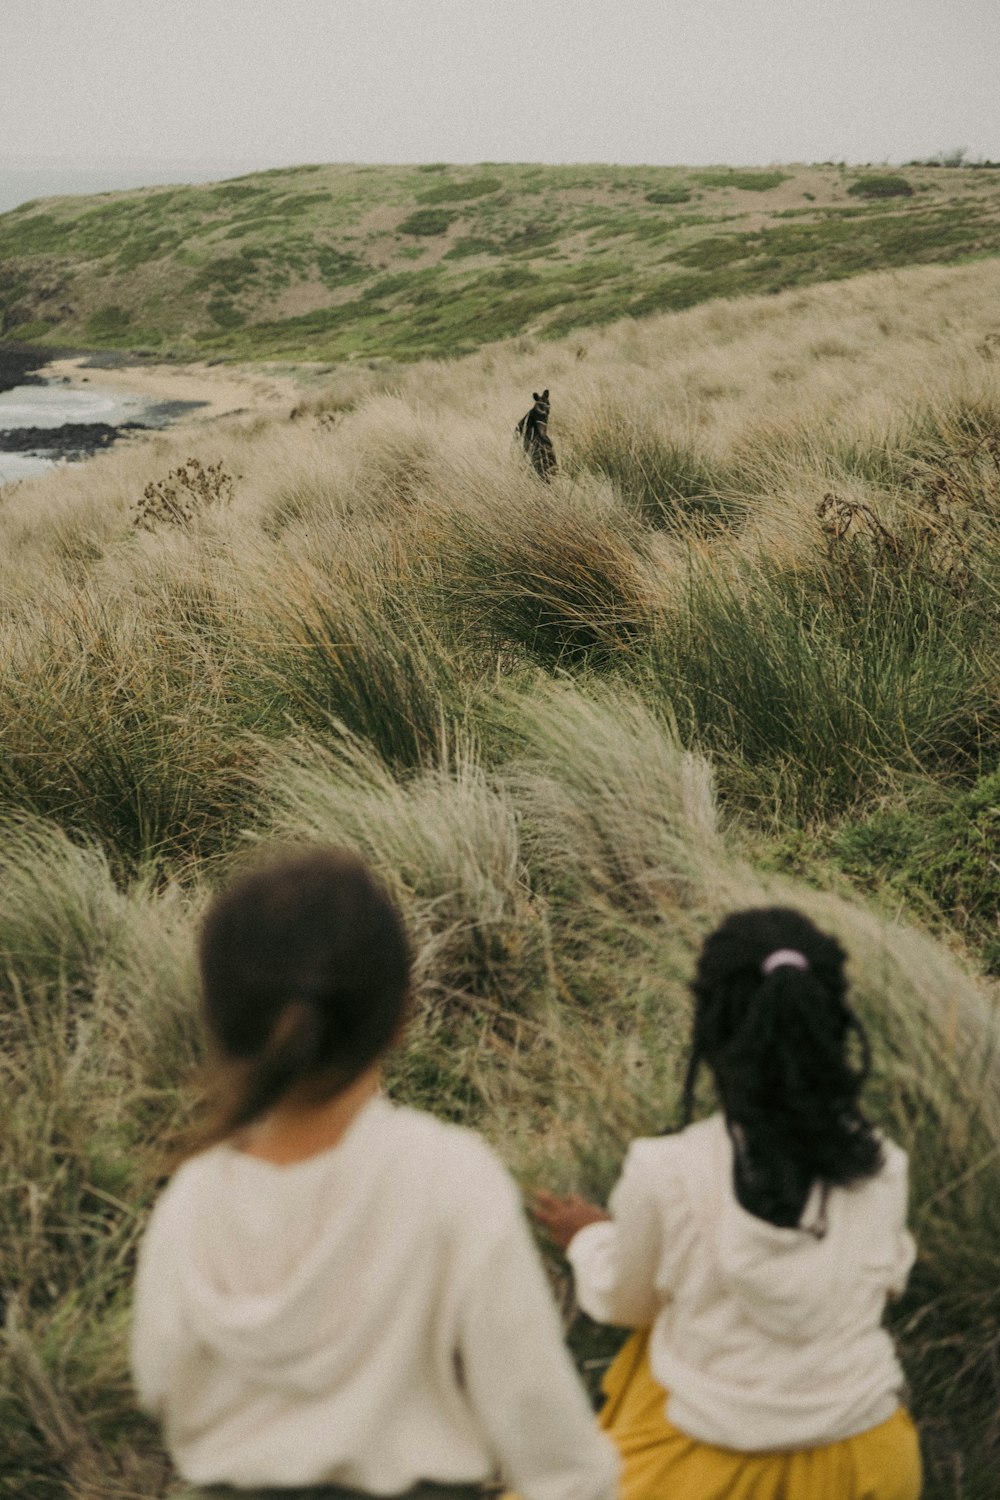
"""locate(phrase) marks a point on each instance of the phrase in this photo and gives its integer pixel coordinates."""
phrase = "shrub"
(224, 314)
(427, 221)
(454, 192)
(186, 492)
(753, 182)
(677, 194)
(108, 324)
(882, 186)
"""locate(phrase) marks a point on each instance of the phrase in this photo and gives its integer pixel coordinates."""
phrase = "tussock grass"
(825, 681)
(446, 842)
(667, 482)
(97, 1045)
(613, 805)
(118, 726)
(358, 651)
(554, 581)
(565, 722)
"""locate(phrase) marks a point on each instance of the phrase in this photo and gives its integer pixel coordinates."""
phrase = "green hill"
(333, 261)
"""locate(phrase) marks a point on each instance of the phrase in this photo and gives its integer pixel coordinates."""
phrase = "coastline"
(63, 405)
(211, 391)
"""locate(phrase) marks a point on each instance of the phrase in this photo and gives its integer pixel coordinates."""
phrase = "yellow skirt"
(661, 1463)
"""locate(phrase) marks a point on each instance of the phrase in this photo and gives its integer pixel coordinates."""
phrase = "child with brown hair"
(340, 1296)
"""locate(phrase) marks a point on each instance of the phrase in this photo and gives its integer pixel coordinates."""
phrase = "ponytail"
(257, 1084)
(788, 1056)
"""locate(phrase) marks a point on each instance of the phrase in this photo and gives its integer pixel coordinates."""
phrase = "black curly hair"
(779, 1046)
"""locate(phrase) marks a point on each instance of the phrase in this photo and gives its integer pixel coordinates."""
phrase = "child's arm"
(896, 1174)
(562, 1218)
(517, 1372)
(157, 1333)
(615, 1258)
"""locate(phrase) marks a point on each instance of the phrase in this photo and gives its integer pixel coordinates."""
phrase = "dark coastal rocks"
(20, 366)
(71, 440)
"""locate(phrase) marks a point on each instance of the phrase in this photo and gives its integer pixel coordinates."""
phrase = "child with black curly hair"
(757, 1248)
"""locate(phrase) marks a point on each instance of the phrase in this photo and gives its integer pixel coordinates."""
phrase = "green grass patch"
(254, 238)
(471, 244)
(460, 192)
(748, 182)
(939, 852)
(108, 324)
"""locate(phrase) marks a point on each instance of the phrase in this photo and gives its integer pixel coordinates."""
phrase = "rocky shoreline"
(23, 364)
(20, 366)
(146, 392)
(71, 441)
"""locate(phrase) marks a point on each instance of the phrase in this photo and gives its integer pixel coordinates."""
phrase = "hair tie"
(784, 958)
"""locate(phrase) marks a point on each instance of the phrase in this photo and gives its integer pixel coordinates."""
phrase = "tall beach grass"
(566, 723)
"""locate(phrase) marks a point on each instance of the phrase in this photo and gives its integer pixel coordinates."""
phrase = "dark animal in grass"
(533, 430)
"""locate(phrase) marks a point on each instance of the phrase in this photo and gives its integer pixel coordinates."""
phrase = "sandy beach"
(220, 390)
(67, 408)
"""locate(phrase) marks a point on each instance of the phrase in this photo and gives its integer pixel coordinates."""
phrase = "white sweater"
(370, 1317)
(764, 1338)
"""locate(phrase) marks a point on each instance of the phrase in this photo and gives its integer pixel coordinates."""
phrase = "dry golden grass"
(555, 717)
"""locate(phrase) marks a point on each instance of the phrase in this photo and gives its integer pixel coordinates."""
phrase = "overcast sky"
(258, 83)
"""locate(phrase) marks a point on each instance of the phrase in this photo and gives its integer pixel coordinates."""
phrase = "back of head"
(305, 972)
(773, 1025)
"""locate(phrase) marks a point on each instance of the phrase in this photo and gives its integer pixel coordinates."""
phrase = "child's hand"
(561, 1218)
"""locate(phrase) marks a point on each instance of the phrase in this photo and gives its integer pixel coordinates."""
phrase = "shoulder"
(890, 1182)
(890, 1179)
(468, 1199)
(452, 1158)
(195, 1182)
(895, 1161)
(697, 1147)
(681, 1178)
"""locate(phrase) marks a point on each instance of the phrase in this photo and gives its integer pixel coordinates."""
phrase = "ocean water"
(55, 405)
(15, 466)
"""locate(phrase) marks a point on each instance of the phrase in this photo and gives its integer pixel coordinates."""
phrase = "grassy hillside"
(744, 648)
(325, 262)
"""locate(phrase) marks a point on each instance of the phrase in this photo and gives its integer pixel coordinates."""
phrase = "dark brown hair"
(305, 973)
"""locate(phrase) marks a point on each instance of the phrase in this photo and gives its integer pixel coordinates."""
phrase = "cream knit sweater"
(370, 1317)
(765, 1338)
